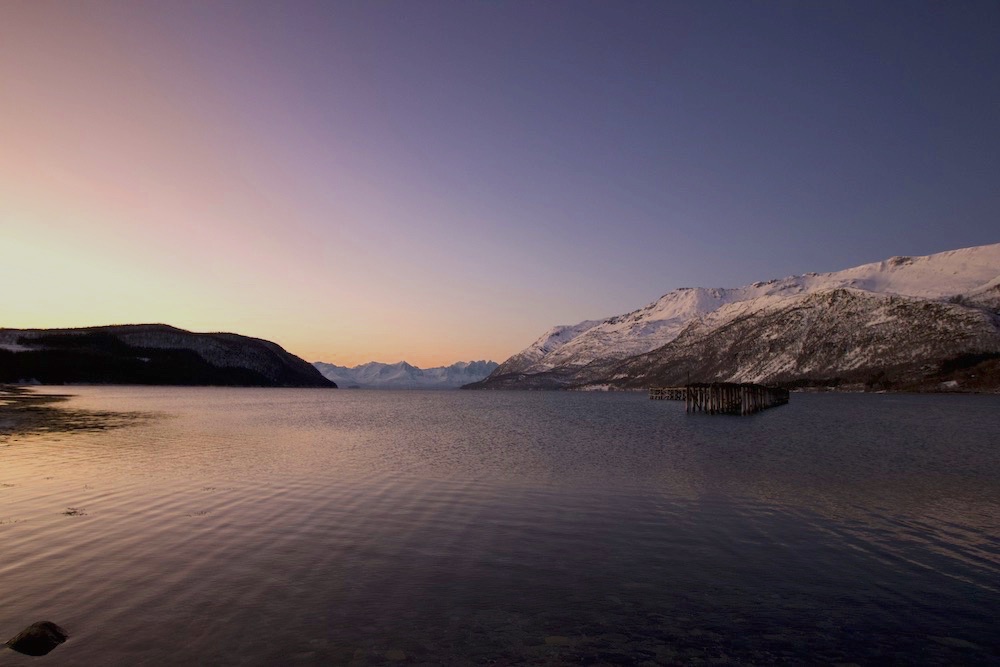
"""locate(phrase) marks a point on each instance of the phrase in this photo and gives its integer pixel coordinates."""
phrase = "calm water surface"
(284, 527)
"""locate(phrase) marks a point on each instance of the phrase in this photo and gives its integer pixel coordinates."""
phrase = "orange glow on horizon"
(131, 192)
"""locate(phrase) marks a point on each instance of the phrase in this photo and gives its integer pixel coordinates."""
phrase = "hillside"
(906, 322)
(149, 354)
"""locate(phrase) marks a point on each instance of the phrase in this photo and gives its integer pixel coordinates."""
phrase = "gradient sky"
(435, 181)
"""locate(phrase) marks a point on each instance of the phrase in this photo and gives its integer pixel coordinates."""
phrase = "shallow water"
(278, 526)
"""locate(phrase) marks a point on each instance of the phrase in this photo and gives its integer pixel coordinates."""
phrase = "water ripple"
(259, 527)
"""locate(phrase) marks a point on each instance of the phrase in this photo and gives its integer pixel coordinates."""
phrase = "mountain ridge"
(897, 302)
(402, 375)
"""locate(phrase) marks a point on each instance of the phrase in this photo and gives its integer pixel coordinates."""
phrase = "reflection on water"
(255, 526)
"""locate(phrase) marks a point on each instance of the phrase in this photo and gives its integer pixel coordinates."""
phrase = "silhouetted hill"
(149, 354)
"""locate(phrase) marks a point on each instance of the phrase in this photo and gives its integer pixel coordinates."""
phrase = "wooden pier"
(723, 398)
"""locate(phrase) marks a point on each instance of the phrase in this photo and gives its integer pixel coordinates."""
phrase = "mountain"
(149, 354)
(903, 323)
(404, 376)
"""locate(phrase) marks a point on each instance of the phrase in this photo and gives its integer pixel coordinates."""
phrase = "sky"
(439, 181)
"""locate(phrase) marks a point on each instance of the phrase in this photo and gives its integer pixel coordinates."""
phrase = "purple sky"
(446, 180)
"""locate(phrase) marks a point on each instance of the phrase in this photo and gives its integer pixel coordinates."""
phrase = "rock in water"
(38, 638)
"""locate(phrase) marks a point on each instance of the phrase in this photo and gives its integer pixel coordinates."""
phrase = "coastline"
(25, 412)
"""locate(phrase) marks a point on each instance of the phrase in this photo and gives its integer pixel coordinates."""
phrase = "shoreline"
(24, 412)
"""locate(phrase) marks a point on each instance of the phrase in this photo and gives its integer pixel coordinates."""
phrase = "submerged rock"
(38, 638)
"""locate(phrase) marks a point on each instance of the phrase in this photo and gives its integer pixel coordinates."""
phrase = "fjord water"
(280, 527)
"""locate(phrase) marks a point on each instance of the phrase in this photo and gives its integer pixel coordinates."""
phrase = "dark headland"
(150, 354)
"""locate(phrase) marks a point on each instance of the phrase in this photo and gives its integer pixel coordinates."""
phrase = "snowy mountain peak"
(402, 375)
(969, 276)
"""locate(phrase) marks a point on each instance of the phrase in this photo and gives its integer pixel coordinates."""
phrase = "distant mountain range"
(149, 354)
(908, 323)
(375, 375)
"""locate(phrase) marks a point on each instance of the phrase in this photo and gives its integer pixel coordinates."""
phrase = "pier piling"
(722, 398)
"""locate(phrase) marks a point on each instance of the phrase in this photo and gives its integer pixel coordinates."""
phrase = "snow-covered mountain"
(402, 375)
(904, 313)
